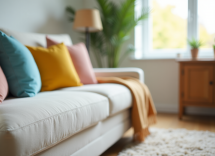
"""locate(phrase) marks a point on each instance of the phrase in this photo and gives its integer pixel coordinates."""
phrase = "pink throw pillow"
(81, 61)
(3, 86)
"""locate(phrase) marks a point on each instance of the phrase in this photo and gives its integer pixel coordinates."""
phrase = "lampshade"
(87, 18)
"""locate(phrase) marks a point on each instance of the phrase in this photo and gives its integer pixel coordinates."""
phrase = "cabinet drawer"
(198, 83)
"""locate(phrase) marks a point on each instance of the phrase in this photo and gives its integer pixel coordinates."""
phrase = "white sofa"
(74, 121)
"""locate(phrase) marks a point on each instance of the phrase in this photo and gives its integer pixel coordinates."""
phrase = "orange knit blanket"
(143, 110)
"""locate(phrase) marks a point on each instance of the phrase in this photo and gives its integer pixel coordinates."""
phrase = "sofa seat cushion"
(119, 96)
(30, 125)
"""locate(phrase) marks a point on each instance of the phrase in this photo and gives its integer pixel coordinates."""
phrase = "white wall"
(161, 76)
(42, 16)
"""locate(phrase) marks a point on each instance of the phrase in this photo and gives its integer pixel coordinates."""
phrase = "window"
(206, 13)
(171, 24)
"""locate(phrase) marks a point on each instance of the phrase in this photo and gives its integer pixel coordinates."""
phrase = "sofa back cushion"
(81, 61)
(3, 86)
(36, 39)
(55, 66)
(19, 67)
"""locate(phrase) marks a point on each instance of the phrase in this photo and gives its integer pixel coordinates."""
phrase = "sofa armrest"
(120, 72)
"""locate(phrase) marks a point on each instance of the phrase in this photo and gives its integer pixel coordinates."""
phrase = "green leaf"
(194, 43)
(71, 12)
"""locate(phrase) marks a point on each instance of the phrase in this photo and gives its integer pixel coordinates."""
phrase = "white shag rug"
(174, 142)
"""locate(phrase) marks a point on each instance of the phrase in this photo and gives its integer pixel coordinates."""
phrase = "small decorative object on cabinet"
(194, 45)
(214, 50)
(196, 86)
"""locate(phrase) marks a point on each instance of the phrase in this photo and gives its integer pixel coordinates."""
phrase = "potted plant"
(194, 44)
(214, 49)
(118, 21)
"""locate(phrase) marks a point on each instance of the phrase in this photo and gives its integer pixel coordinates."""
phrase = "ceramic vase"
(214, 52)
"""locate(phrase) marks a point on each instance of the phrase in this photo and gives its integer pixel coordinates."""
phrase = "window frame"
(144, 28)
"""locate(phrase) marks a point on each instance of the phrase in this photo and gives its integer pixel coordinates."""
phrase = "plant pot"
(214, 52)
(194, 53)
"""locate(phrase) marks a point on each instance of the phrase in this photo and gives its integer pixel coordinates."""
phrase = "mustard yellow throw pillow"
(55, 66)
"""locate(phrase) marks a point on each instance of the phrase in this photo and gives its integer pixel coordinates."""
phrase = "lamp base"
(87, 34)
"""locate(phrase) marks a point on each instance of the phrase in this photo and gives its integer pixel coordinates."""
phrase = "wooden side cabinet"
(196, 86)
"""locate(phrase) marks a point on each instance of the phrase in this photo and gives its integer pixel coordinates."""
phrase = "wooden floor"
(202, 123)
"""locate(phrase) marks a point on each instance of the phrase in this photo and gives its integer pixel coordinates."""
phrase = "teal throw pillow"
(19, 67)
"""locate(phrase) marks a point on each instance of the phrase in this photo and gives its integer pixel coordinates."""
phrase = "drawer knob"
(211, 82)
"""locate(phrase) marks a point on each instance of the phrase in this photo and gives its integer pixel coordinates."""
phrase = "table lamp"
(87, 20)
